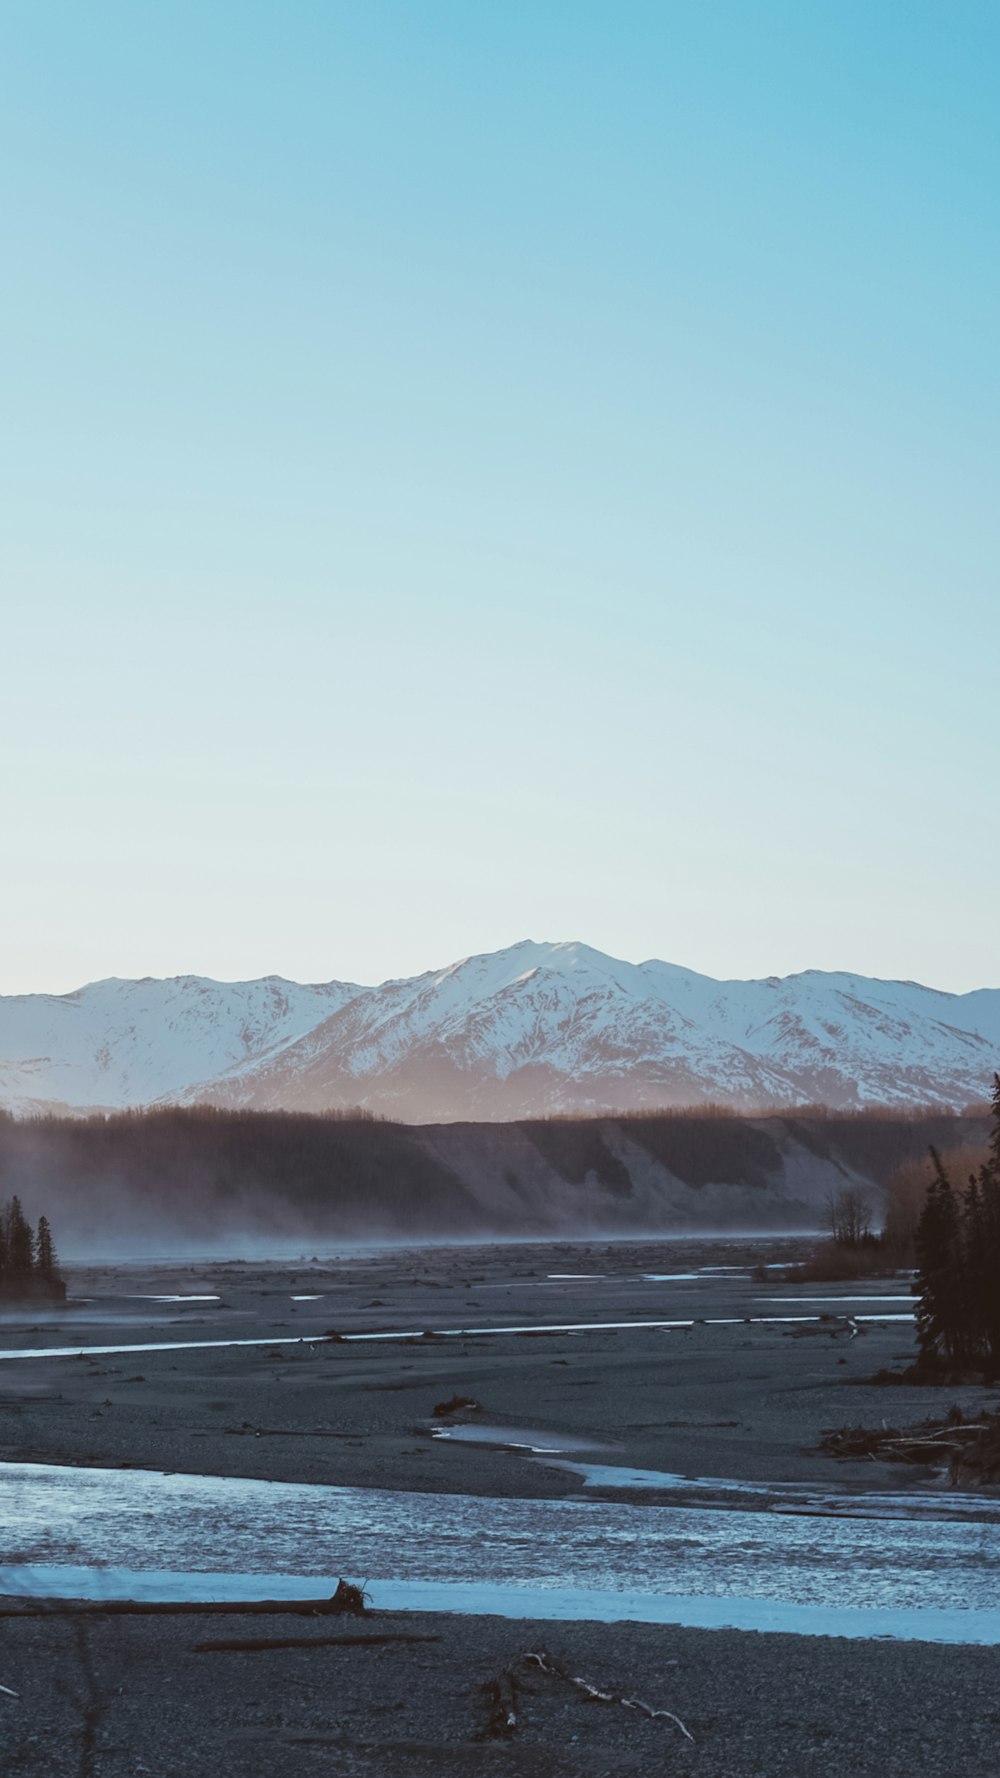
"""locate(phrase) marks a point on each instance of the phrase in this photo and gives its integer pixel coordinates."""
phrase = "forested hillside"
(159, 1180)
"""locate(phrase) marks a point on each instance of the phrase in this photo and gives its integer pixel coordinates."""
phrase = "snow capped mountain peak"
(533, 1028)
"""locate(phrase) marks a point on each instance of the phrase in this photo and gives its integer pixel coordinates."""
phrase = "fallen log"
(260, 1644)
(503, 1691)
(171, 1608)
(280, 1432)
(457, 1404)
(594, 1694)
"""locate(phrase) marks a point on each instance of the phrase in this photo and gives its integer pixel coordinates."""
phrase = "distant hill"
(523, 1032)
(162, 1181)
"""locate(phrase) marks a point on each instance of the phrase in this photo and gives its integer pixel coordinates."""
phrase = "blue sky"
(497, 470)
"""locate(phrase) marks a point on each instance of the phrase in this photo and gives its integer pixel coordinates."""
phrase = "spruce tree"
(938, 1254)
(45, 1253)
(971, 1269)
(993, 1163)
(988, 1192)
(958, 1262)
(20, 1240)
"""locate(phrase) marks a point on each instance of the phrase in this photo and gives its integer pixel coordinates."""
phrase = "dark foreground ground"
(135, 1697)
(111, 1697)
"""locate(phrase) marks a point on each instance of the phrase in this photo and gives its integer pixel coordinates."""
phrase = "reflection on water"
(907, 1623)
(186, 1296)
(441, 1333)
(849, 1297)
(787, 1497)
(517, 1438)
(558, 1550)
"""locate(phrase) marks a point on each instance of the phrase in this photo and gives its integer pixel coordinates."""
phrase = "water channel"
(931, 1573)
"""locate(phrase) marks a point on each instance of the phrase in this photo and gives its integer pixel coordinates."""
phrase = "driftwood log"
(348, 1600)
(261, 1644)
(503, 1693)
(969, 1446)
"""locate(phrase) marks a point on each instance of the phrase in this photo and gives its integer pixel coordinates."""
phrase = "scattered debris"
(502, 1696)
(503, 1693)
(459, 1404)
(349, 1599)
(832, 1325)
(978, 1460)
(969, 1444)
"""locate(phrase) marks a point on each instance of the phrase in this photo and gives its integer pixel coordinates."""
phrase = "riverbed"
(642, 1451)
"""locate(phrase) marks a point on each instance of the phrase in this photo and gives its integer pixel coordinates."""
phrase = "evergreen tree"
(993, 1163)
(45, 1253)
(970, 1287)
(20, 1240)
(938, 1241)
(988, 1193)
(958, 1262)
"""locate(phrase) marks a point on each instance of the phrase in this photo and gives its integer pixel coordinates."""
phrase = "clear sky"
(498, 469)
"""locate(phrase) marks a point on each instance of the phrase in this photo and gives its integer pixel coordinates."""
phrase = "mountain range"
(528, 1031)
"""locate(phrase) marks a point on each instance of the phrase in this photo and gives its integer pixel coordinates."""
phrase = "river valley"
(636, 1459)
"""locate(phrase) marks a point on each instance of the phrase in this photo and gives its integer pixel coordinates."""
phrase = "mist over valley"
(202, 1180)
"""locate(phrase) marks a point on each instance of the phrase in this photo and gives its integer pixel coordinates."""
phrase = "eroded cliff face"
(658, 1173)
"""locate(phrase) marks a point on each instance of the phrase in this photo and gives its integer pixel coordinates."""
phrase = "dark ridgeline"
(28, 1264)
(958, 1264)
(203, 1175)
(140, 1181)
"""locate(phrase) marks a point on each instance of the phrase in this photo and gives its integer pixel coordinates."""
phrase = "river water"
(494, 1331)
(932, 1574)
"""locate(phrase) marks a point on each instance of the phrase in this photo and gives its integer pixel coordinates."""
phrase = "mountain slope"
(522, 1032)
(122, 1043)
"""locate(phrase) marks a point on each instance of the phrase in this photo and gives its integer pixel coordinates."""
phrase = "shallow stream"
(779, 1565)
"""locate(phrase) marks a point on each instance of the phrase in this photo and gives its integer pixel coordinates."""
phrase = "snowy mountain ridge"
(525, 1031)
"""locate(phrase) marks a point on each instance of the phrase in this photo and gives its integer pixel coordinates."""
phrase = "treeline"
(200, 1173)
(158, 1180)
(856, 1246)
(816, 1111)
(958, 1262)
(25, 1252)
